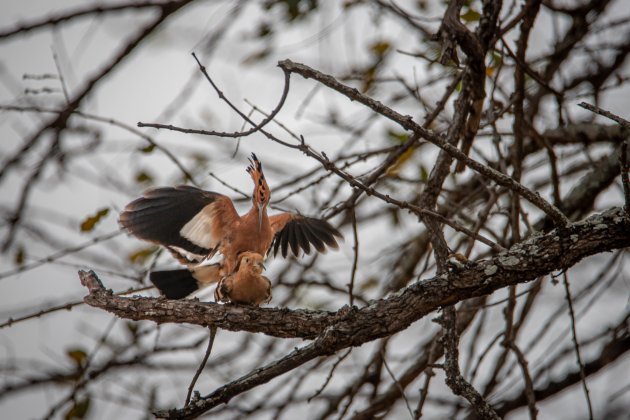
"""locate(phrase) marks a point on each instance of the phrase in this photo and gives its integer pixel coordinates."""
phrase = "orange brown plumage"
(194, 224)
(246, 285)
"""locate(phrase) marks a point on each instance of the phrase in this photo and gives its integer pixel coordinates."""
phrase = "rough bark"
(538, 255)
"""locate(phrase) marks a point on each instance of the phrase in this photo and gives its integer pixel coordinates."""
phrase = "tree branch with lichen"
(538, 255)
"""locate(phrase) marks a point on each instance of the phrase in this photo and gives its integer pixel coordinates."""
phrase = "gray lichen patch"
(509, 260)
(490, 270)
(596, 219)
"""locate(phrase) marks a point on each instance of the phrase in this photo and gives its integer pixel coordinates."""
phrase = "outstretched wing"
(185, 219)
(300, 232)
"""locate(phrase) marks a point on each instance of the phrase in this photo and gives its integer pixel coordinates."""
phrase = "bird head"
(261, 195)
(251, 261)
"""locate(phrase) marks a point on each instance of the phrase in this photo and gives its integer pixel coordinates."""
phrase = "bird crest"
(261, 194)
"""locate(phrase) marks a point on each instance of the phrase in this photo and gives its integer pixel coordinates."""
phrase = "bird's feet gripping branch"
(194, 224)
(246, 284)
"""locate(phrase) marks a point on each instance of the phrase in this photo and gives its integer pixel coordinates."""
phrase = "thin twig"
(398, 385)
(83, 378)
(236, 134)
(429, 374)
(623, 159)
(113, 122)
(89, 10)
(330, 375)
(59, 254)
(66, 306)
(225, 184)
(565, 281)
(355, 259)
(623, 164)
(61, 78)
(454, 379)
(529, 384)
(621, 121)
(408, 123)
(213, 333)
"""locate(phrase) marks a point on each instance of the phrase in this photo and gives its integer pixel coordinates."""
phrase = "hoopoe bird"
(193, 225)
(246, 284)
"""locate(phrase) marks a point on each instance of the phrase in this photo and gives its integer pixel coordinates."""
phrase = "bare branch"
(454, 378)
(537, 256)
(407, 122)
(213, 333)
(237, 134)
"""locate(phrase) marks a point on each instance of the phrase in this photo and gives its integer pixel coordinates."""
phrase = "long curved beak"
(260, 215)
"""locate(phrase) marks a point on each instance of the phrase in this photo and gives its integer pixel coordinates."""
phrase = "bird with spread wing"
(193, 225)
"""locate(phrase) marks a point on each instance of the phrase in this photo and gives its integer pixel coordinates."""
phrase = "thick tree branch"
(536, 256)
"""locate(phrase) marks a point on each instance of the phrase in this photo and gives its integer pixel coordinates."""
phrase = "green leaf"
(79, 410)
(264, 30)
(395, 168)
(422, 5)
(200, 159)
(148, 149)
(77, 355)
(424, 175)
(20, 256)
(141, 255)
(293, 9)
(143, 177)
(495, 62)
(132, 327)
(257, 56)
(380, 48)
(90, 222)
(471, 16)
(370, 283)
(497, 59)
(397, 136)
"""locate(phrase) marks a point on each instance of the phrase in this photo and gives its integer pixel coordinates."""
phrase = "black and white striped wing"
(299, 232)
(188, 221)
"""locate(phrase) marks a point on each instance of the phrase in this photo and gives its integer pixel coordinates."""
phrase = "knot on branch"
(91, 281)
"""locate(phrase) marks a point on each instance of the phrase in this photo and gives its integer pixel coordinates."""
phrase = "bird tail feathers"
(174, 284)
(177, 284)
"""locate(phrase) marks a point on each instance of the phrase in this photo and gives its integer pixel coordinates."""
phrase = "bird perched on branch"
(246, 284)
(194, 224)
